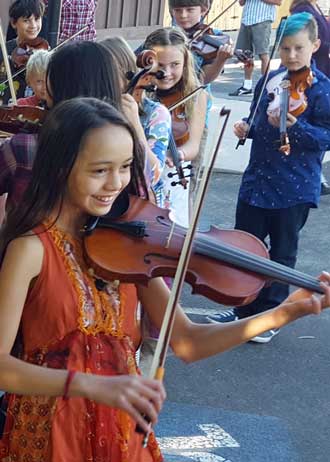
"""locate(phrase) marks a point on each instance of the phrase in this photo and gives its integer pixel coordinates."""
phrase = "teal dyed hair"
(298, 22)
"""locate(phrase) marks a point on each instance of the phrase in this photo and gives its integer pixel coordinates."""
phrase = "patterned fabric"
(16, 160)
(75, 15)
(256, 11)
(72, 325)
(273, 180)
(156, 122)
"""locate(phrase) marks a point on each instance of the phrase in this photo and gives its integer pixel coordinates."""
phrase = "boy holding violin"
(26, 17)
(279, 188)
(189, 16)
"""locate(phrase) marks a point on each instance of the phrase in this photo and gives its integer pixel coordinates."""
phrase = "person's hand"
(169, 159)
(241, 129)
(274, 120)
(225, 52)
(140, 397)
(131, 110)
(311, 303)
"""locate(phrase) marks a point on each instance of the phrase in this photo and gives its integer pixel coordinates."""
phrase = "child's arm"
(192, 342)
(155, 141)
(211, 71)
(190, 149)
(21, 265)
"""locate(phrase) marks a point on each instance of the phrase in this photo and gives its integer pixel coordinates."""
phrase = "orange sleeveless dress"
(68, 324)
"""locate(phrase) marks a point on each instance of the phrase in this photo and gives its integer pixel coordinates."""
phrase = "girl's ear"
(13, 23)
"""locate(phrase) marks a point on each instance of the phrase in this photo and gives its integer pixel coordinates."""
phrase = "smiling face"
(101, 171)
(296, 50)
(170, 60)
(27, 28)
(188, 16)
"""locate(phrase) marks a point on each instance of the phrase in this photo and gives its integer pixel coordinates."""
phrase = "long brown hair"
(60, 141)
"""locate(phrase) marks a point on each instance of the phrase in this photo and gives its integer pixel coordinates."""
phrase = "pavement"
(256, 403)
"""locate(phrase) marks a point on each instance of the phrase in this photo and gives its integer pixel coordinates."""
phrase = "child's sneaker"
(223, 316)
(241, 91)
(265, 337)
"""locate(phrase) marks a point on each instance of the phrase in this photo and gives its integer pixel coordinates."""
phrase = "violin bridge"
(169, 238)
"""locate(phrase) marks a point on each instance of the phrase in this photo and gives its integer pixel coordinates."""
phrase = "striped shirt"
(256, 11)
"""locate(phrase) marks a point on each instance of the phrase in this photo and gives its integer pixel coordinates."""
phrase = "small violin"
(287, 93)
(24, 50)
(208, 43)
(21, 119)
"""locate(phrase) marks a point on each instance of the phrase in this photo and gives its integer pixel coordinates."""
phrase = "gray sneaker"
(265, 337)
(223, 316)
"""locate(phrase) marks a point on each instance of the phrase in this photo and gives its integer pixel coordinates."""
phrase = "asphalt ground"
(256, 403)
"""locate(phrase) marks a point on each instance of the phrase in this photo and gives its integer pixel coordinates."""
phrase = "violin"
(178, 136)
(24, 50)
(21, 119)
(287, 93)
(208, 44)
(134, 244)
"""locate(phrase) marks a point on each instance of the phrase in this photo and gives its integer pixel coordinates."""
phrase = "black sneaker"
(265, 337)
(241, 91)
(223, 316)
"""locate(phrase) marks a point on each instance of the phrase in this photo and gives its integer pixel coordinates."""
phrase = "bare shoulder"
(24, 253)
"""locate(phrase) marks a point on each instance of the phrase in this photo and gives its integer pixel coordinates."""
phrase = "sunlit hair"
(300, 22)
(171, 36)
(61, 140)
(122, 53)
(37, 63)
(25, 9)
(83, 68)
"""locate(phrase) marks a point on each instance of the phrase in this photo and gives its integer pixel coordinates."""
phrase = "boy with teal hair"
(278, 190)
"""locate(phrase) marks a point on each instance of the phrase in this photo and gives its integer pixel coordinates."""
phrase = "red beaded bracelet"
(67, 384)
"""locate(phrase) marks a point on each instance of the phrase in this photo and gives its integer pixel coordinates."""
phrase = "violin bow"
(186, 98)
(7, 66)
(51, 51)
(253, 114)
(157, 369)
(203, 31)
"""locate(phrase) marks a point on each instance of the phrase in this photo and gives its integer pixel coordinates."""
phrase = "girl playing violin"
(74, 392)
(180, 79)
(151, 120)
(278, 190)
(26, 17)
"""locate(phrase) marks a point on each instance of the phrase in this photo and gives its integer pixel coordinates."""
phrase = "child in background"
(175, 60)
(189, 16)
(278, 190)
(26, 17)
(36, 79)
(150, 119)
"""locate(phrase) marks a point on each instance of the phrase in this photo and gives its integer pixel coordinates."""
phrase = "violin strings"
(206, 245)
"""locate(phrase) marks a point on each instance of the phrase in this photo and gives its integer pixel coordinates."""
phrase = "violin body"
(298, 82)
(114, 254)
(24, 50)
(180, 125)
(26, 119)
